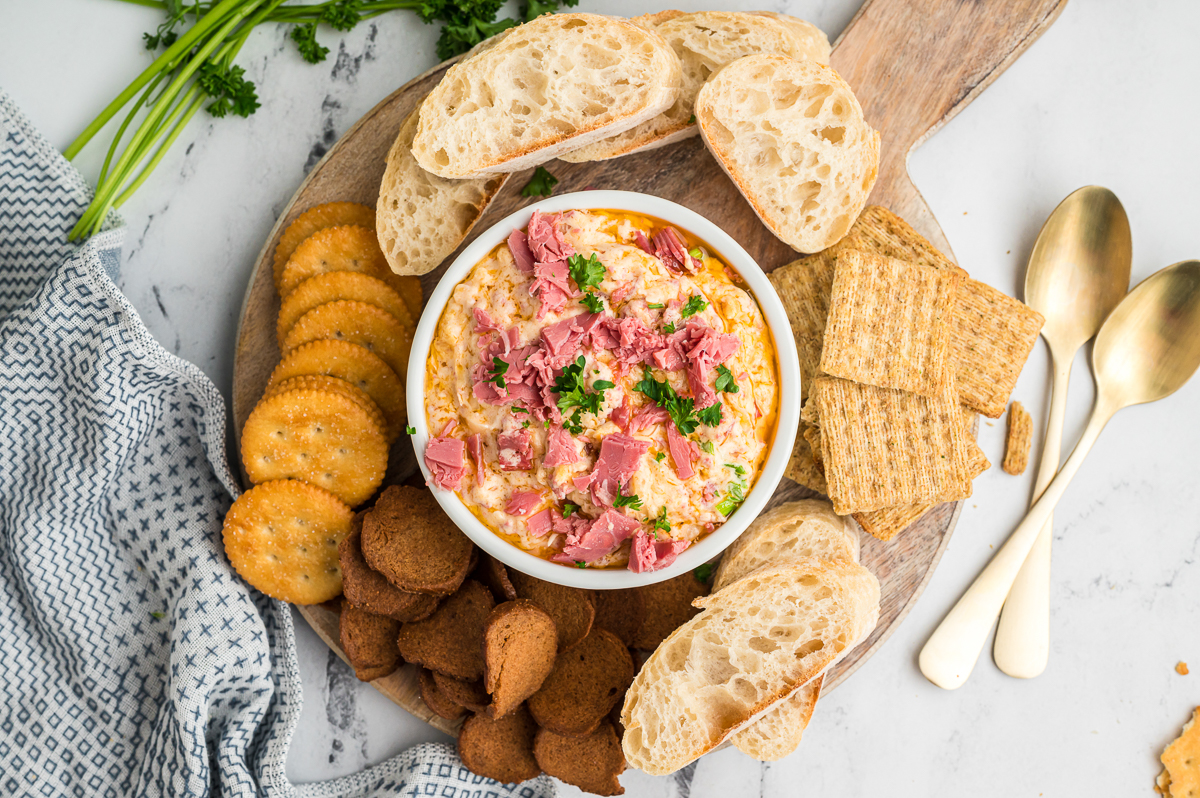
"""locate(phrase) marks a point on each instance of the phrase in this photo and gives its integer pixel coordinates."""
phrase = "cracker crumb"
(1181, 668)
(1018, 441)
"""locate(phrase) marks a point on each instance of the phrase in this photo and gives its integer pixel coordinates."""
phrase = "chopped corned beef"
(563, 339)
(640, 239)
(523, 502)
(619, 456)
(518, 245)
(483, 322)
(600, 538)
(444, 459)
(561, 448)
(540, 524)
(683, 452)
(648, 554)
(670, 249)
(516, 452)
(551, 284)
(647, 416)
(475, 447)
(630, 340)
(622, 414)
(704, 352)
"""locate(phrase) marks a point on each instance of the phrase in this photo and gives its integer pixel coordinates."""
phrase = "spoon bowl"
(1079, 268)
(1150, 345)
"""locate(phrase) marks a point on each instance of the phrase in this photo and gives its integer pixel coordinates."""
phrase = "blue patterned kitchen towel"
(133, 660)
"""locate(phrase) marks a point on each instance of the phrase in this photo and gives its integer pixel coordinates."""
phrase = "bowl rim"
(776, 319)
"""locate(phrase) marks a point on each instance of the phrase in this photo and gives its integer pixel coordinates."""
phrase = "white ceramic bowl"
(728, 250)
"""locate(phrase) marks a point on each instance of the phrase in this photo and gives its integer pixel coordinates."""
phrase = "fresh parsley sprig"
(541, 184)
(497, 372)
(572, 390)
(678, 408)
(695, 304)
(734, 497)
(725, 382)
(631, 501)
(661, 524)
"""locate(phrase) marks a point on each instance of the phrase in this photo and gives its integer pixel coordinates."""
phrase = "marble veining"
(1107, 96)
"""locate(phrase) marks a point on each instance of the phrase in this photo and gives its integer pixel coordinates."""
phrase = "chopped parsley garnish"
(546, 423)
(725, 383)
(696, 253)
(660, 456)
(711, 415)
(497, 372)
(736, 495)
(661, 522)
(592, 302)
(541, 184)
(631, 501)
(517, 409)
(524, 425)
(569, 508)
(737, 469)
(573, 392)
(574, 423)
(669, 328)
(580, 564)
(679, 409)
(656, 306)
(158, 616)
(704, 572)
(692, 119)
(693, 306)
(708, 447)
(410, 430)
(586, 272)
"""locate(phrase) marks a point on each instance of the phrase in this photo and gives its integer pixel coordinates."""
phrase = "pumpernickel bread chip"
(621, 612)
(369, 589)
(492, 573)
(449, 640)
(591, 763)
(584, 686)
(408, 539)
(500, 748)
(369, 642)
(469, 694)
(671, 606)
(519, 648)
(436, 700)
(573, 610)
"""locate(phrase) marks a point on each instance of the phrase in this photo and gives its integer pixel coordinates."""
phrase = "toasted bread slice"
(757, 641)
(367, 588)
(519, 649)
(420, 217)
(369, 642)
(492, 573)
(500, 748)
(545, 88)
(621, 612)
(436, 700)
(791, 136)
(407, 538)
(705, 42)
(807, 528)
(469, 694)
(591, 763)
(449, 640)
(584, 686)
(573, 610)
(670, 606)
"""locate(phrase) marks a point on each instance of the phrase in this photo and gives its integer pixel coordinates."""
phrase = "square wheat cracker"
(882, 447)
(889, 323)
(802, 468)
(803, 287)
(885, 524)
(880, 231)
(992, 338)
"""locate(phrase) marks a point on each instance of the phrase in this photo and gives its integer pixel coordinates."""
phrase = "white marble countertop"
(1107, 96)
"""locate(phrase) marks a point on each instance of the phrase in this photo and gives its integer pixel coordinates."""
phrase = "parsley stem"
(196, 103)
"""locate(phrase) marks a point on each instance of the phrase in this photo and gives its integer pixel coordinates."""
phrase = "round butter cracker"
(358, 323)
(346, 248)
(332, 286)
(282, 537)
(318, 217)
(321, 437)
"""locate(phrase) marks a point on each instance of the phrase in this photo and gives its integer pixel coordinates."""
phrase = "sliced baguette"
(808, 528)
(546, 87)
(791, 136)
(756, 642)
(704, 42)
(420, 218)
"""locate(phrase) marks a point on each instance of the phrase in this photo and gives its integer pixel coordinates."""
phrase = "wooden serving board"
(913, 65)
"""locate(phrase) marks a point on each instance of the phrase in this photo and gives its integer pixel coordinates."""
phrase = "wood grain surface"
(913, 65)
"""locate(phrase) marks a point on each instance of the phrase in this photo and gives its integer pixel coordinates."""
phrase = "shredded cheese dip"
(602, 391)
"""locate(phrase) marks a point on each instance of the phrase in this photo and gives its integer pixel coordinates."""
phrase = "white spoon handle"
(951, 652)
(1022, 646)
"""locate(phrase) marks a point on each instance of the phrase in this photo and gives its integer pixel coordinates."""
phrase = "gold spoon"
(1078, 272)
(1147, 349)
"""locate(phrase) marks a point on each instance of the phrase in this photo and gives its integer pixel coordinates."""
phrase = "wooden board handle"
(914, 64)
